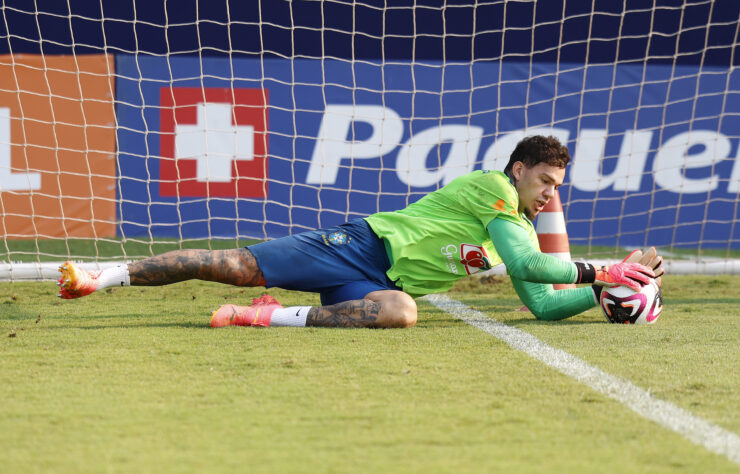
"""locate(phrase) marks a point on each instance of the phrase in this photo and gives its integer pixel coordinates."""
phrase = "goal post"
(130, 128)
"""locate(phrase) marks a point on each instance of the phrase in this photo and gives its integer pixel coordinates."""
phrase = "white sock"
(114, 276)
(291, 316)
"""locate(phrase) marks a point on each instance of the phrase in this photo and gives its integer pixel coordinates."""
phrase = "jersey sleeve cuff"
(597, 292)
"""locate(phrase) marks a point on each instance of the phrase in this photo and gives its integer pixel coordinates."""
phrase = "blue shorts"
(341, 263)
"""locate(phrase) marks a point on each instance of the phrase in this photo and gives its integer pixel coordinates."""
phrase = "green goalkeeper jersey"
(444, 237)
(447, 235)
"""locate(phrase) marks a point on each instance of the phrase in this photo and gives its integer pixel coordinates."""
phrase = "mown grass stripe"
(695, 429)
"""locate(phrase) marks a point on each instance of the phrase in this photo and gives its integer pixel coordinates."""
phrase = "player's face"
(536, 186)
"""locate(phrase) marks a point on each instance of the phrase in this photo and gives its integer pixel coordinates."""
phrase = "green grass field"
(134, 380)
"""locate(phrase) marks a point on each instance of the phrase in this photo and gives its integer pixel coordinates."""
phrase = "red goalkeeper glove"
(632, 275)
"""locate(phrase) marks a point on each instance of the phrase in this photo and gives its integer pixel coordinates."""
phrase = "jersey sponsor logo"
(213, 142)
(474, 258)
(450, 251)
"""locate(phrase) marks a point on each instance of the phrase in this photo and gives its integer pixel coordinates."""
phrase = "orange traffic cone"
(553, 236)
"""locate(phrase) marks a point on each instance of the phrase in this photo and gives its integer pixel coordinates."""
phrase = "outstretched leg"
(235, 267)
(379, 309)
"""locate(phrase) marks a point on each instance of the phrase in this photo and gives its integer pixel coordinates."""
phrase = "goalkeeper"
(369, 271)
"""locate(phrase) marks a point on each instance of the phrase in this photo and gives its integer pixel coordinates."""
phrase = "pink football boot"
(258, 314)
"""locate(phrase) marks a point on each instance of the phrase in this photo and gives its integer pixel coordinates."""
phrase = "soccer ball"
(626, 306)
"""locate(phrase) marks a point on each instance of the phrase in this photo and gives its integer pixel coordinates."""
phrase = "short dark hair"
(538, 149)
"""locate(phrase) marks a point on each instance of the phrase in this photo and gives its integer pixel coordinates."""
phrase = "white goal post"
(130, 128)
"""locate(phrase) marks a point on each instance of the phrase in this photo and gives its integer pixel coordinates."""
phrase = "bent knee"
(400, 317)
(397, 310)
(407, 312)
(407, 319)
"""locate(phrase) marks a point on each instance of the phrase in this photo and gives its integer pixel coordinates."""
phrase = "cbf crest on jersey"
(337, 238)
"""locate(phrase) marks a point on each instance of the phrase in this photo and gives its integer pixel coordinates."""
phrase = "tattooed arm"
(235, 267)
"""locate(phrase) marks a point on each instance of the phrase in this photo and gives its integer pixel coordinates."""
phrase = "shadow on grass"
(682, 301)
(18, 314)
(541, 322)
(141, 324)
(495, 312)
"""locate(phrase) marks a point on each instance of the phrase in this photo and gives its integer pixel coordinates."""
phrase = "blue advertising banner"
(213, 147)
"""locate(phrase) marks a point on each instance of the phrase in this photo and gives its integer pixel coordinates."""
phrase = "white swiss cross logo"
(214, 142)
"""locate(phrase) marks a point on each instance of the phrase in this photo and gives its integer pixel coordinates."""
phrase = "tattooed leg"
(235, 267)
(348, 314)
(379, 309)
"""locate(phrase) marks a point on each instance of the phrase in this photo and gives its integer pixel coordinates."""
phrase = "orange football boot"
(258, 314)
(76, 282)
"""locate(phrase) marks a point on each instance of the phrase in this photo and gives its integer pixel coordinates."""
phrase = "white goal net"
(131, 128)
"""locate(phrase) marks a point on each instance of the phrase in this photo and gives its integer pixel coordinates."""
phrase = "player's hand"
(632, 275)
(650, 258)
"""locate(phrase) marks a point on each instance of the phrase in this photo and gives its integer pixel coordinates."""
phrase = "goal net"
(131, 128)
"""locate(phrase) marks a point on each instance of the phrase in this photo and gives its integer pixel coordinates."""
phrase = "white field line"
(695, 429)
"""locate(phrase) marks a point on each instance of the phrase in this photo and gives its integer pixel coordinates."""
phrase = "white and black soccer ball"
(626, 306)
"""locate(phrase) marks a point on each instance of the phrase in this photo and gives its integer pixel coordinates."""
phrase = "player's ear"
(516, 170)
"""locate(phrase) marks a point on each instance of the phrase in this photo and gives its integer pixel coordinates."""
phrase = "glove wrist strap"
(586, 273)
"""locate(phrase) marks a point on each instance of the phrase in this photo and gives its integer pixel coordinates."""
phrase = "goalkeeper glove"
(632, 275)
(650, 258)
